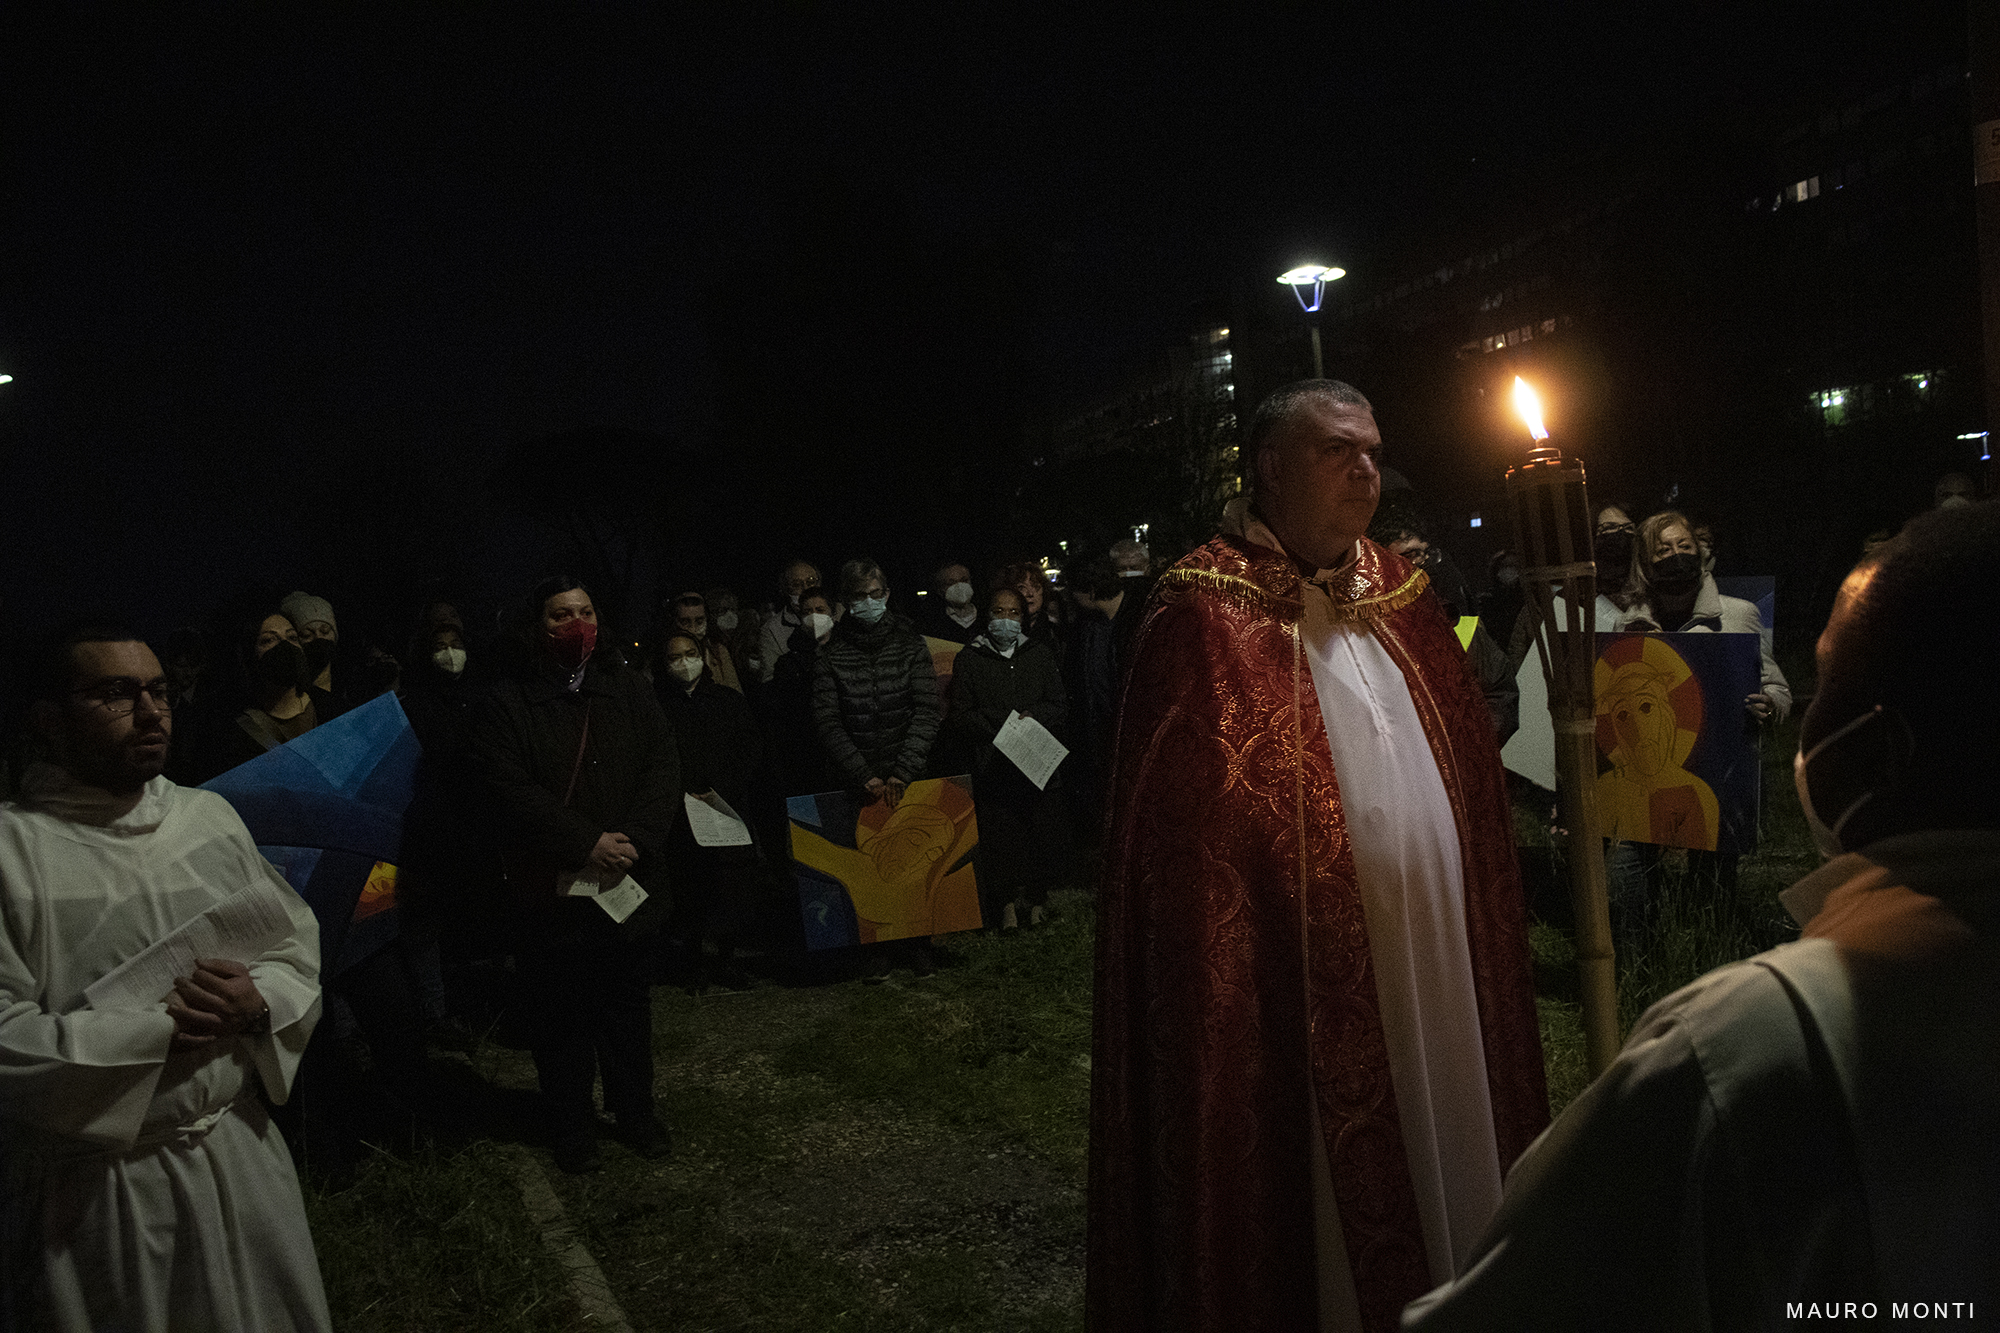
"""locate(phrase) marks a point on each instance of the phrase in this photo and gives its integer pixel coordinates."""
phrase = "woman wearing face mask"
(584, 783)
(281, 706)
(1667, 591)
(691, 617)
(1043, 621)
(797, 762)
(875, 704)
(738, 632)
(449, 875)
(1023, 836)
(720, 746)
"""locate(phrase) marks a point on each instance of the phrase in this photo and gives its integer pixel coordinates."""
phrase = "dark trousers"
(587, 984)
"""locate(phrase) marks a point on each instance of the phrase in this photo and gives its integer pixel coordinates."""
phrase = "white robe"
(1411, 881)
(158, 1193)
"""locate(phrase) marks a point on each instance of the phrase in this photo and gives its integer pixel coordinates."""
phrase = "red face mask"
(572, 642)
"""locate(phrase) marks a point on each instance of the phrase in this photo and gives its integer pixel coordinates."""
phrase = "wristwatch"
(260, 1026)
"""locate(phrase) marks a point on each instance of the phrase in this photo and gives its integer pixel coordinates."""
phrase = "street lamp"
(1553, 532)
(1315, 276)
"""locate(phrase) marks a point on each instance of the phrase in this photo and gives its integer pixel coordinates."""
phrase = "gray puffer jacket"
(875, 700)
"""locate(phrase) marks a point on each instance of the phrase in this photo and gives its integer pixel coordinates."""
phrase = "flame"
(1530, 407)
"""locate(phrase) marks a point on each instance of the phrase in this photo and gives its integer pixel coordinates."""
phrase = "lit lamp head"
(1315, 276)
(1551, 511)
(1529, 404)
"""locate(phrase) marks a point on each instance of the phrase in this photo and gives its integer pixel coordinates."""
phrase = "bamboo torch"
(1552, 528)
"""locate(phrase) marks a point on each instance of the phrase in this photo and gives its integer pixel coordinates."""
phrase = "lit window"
(1475, 520)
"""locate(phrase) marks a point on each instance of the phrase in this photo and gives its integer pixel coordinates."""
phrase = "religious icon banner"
(1677, 753)
(867, 873)
(327, 811)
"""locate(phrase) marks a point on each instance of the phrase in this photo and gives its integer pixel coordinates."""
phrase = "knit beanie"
(303, 607)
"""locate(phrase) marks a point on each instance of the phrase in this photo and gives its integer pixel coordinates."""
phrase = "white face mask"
(1827, 839)
(451, 661)
(726, 621)
(686, 668)
(821, 623)
(958, 594)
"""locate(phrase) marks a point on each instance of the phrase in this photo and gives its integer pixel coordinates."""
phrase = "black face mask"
(283, 665)
(1613, 553)
(1677, 573)
(319, 655)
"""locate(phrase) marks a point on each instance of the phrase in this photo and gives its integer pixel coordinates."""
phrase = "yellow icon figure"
(903, 874)
(1648, 720)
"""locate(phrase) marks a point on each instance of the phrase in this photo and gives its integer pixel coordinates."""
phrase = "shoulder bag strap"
(582, 743)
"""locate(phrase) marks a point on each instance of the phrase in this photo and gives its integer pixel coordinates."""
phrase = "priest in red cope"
(1316, 1048)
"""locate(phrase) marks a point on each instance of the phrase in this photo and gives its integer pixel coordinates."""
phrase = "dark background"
(377, 301)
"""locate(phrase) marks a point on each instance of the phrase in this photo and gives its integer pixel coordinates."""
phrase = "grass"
(436, 1241)
(904, 1155)
(999, 1043)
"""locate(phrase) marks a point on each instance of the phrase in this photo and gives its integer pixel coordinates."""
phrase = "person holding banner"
(1023, 837)
(1812, 1133)
(155, 970)
(1667, 590)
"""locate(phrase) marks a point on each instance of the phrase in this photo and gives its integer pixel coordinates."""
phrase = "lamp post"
(1315, 276)
(1552, 529)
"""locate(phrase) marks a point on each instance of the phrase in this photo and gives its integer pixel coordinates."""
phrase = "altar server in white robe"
(146, 1188)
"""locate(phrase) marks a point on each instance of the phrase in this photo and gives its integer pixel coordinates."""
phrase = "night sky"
(293, 301)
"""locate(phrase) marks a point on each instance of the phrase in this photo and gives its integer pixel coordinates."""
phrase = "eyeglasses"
(1608, 529)
(119, 697)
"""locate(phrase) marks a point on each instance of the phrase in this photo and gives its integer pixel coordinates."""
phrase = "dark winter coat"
(798, 764)
(448, 852)
(718, 739)
(985, 687)
(875, 700)
(1023, 833)
(525, 742)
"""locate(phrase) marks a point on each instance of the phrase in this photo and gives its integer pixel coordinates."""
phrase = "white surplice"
(152, 1185)
(1412, 886)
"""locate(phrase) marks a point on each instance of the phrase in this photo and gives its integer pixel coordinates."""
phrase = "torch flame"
(1530, 407)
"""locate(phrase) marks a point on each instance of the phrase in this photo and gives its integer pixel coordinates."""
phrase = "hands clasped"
(887, 789)
(614, 854)
(217, 999)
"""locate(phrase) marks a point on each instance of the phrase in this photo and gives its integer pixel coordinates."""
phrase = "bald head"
(1910, 635)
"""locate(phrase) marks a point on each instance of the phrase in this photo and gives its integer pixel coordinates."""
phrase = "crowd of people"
(554, 746)
(1311, 924)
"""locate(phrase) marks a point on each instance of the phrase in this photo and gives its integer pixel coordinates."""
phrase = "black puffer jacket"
(525, 740)
(875, 701)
